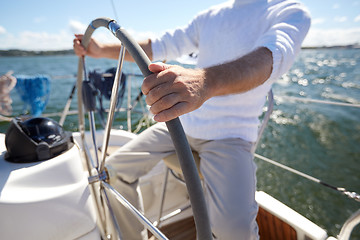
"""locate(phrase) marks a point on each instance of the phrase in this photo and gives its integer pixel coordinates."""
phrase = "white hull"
(52, 200)
(45, 200)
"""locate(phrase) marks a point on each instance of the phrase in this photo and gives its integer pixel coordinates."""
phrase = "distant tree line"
(17, 52)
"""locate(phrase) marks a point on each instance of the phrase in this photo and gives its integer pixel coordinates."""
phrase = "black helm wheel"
(35, 139)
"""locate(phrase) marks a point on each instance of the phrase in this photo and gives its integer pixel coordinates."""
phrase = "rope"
(353, 195)
(321, 101)
(114, 9)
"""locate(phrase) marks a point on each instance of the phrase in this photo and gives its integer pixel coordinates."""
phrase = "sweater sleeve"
(285, 36)
(174, 44)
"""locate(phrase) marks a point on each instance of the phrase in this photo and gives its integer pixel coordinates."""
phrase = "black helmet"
(35, 139)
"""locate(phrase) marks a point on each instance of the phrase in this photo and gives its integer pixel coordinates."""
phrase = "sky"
(51, 25)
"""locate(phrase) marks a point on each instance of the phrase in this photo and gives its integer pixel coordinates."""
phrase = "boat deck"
(270, 228)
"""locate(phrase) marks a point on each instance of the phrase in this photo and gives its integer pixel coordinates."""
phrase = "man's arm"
(174, 90)
(240, 75)
(106, 50)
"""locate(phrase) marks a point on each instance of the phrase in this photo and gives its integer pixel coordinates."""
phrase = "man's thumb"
(158, 67)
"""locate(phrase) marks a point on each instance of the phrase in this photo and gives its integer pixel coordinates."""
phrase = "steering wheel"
(174, 126)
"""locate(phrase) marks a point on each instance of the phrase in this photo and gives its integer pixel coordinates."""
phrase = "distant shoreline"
(23, 53)
(353, 46)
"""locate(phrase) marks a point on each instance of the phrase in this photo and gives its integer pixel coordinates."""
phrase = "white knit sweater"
(224, 33)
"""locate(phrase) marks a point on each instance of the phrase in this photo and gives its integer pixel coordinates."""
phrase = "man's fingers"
(79, 36)
(78, 48)
(158, 92)
(171, 113)
(165, 102)
(171, 91)
(156, 79)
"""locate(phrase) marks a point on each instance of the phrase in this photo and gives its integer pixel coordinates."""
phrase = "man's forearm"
(240, 75)
(112, 50)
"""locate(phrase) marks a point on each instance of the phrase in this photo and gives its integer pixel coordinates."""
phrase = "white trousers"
(229, 181)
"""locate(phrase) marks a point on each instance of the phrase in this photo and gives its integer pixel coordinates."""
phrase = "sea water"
(318, 139)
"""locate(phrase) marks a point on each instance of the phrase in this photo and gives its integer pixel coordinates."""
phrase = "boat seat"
(172, 162)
